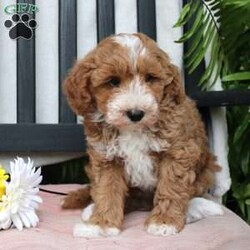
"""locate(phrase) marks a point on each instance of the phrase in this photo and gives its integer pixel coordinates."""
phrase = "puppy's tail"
(78, 199)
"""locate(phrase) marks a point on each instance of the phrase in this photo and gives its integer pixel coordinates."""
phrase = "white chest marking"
(134, 148)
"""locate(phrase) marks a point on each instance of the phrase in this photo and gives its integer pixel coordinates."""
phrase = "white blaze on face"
(134, 46)
(133, 96)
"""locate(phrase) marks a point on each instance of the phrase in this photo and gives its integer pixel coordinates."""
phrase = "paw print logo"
(21, 26)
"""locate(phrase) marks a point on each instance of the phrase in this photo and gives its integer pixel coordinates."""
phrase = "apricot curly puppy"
(142, 133)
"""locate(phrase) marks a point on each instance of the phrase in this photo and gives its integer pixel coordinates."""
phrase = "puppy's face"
(126, 83)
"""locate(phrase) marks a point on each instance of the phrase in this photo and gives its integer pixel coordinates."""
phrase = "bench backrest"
(25, 131)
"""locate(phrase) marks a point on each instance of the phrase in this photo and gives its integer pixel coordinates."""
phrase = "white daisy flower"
(20, 200)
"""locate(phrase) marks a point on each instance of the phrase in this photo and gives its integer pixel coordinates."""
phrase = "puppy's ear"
(173, 91)
(173, 88)
(77, 86)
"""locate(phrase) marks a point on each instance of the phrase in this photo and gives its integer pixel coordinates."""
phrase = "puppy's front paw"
(94, 231)
(86, 230)
(161, 229)
(87, 212)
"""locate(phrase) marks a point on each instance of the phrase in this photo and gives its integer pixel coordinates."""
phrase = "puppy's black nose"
(135, 115)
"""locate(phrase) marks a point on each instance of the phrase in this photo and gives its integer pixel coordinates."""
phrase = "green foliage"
(222, 28)
(237, 77)
(239, 159)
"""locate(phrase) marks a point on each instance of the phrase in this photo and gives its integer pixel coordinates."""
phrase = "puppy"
(144, 137)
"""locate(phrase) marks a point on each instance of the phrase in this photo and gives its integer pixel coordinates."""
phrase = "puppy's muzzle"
(135, 115)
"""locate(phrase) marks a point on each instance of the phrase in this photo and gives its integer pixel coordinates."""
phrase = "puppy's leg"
(106, 215)
(87, 212)
(173, 192)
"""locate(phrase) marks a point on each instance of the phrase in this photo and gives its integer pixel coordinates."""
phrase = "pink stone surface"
(55, 231)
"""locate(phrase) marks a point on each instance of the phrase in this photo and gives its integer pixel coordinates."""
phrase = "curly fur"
(165, 153)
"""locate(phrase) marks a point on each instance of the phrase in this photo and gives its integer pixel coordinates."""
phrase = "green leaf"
(210, 68)
(225, 68)
(193, 8)
(214, 40)
(242, 192)
(247, 191)
(237, 192)
(183, 15)
(247, 202)
(242, 206)
(215, 6)
(237, 4)
(245, 162)
(211, 2)
(196, 61)
(217, 13)
(218, 66)
(237, 76)
(241, 129)
(196, 42)
(200, 37)
(248, 214)
(193, 29)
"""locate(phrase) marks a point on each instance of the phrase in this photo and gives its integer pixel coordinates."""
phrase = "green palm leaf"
(204, 32)
(187, 12)
(195, 27)
(197, 40)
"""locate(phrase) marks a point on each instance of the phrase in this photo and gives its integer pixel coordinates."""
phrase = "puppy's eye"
(114, 81)
(150, 78)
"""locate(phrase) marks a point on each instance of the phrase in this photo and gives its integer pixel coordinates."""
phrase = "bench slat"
(105, 19)
(147, 17)
(26, 77)
(41, 138)
(67, 53)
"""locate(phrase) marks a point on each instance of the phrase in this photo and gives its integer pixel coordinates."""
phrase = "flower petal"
(6, 223)
(33, 219)
(25, 219)
(17, 221)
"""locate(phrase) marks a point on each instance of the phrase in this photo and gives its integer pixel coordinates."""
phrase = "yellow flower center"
(3, 178)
